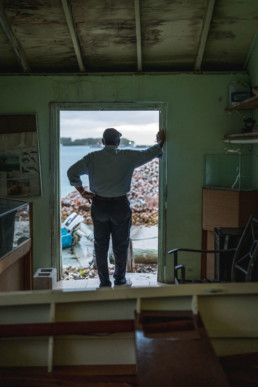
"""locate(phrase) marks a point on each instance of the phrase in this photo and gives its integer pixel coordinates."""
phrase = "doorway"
(138, 124)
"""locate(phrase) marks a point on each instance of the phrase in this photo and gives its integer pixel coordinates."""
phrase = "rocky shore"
(143, 197)
(72, 273)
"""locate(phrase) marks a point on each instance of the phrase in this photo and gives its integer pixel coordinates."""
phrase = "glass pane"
(227, 171)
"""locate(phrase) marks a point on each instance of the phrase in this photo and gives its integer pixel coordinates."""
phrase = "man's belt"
(111, 198)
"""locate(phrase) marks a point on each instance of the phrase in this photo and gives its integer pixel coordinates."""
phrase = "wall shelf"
(242, 138)
(251, 103)
(248, 137)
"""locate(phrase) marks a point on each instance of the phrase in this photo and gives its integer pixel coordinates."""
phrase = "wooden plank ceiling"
(98, 36)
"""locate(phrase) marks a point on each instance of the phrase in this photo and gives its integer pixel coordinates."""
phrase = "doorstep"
(138, 280)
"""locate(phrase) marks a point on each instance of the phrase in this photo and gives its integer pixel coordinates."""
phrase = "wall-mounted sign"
(19, 156)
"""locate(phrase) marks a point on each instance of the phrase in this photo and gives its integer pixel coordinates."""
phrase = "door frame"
(54, 173)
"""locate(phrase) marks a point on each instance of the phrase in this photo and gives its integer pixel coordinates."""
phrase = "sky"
(138, 126)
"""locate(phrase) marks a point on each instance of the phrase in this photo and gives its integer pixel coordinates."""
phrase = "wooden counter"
(16, 268)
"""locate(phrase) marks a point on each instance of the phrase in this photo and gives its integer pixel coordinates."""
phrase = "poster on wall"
(19, 156)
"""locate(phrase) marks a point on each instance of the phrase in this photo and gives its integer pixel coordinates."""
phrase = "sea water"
(68, 156)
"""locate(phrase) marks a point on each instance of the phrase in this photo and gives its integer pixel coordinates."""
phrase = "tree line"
(67, 141)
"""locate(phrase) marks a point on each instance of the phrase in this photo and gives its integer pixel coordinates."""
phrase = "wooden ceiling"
(99, 36)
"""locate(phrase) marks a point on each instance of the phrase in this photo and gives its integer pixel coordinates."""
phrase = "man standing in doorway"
(110, 172)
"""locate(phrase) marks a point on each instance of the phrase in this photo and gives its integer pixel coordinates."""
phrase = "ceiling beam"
(15, 45)
(204, 34)
(72, 30)
(138, 34)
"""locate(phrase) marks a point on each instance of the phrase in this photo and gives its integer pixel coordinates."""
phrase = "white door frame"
(54, 173)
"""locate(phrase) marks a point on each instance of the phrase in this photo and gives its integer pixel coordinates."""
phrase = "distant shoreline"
(100, 146)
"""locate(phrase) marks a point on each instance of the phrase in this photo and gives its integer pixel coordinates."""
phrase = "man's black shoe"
(126, 284)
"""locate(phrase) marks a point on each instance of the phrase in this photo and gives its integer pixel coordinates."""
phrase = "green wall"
(253, 71)
(196, 124)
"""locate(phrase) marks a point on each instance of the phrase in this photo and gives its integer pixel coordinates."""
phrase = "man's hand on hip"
(85, 194)
(88, 195)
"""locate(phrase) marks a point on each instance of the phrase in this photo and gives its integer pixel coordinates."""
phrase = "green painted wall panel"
(196, 121)
(252, 64)
(253, 71)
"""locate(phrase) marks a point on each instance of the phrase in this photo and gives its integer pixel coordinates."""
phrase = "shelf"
(251, 103)
(242, 138)
(242, 135)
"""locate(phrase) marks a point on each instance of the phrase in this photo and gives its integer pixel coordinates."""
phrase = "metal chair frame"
(243, 261)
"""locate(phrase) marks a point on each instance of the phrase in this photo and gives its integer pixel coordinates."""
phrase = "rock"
(143, 197)
(75, 273)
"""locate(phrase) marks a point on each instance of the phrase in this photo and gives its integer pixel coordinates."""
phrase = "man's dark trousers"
(111, 216)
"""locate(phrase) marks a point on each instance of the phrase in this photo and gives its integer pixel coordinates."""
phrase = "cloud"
(138, 126)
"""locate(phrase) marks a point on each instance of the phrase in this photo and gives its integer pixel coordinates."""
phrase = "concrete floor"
(138, 280)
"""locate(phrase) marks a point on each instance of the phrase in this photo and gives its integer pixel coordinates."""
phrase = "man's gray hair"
(111, 136)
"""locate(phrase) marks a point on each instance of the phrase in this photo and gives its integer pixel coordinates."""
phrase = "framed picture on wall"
(20, 172)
